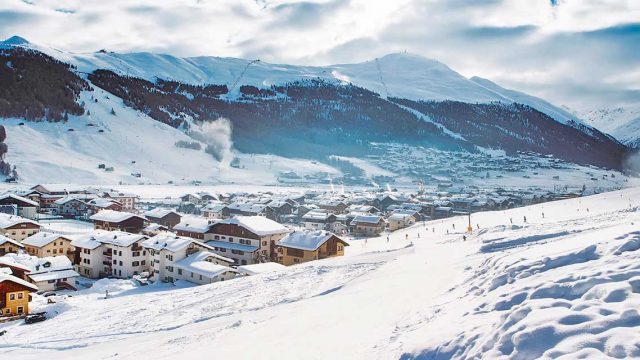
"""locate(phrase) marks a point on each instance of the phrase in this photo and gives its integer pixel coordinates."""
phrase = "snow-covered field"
(566, 282)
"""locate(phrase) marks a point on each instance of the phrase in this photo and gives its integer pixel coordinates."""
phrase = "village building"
(47, 273)
(246, 239)
(203, 267)
(118, 221)
(14, 295)
(316, 220)
(193, 226)
(16, 227)
(302, 246)
(166, 217)
(124, 255)
(370, 225)
(336, 207)
(49, 244)
(70, 207)
(128, 201)
(26, 207)
(216, 211)
(166, 249)
(399, 220)
(98, 204)
(8, 245)
(90, 260)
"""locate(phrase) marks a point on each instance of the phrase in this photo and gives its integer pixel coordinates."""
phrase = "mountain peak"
(16, 40)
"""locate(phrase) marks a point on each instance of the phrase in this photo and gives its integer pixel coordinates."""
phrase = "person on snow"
(525, 219)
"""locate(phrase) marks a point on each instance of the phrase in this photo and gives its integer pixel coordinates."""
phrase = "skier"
(525, 219)
(543, 215)
(464, 238)
(454, 226)
(418, 235)
(511, 220)
(406, 236)
(478, 226)
(387, 238)
(106, 294)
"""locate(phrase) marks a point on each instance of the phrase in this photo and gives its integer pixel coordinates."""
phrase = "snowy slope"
(566, 282)
(131, 142)
(623, 123)
(400, 75)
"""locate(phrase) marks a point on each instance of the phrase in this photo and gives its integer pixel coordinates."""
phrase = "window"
(143, 263)
(295, 252)
(20, 295)
(136, 253)
(20, 309)
(230, 239)
(248, 242)
(296, 260)
(169, 257)
(115, 262)
(120, 253)
(121, 263)
(264, 243)
(12, 297)
(241, 241)
(55, 251)
(216, 237)
(55, 243)
(170, 268)
(135, 263)
(179, 271)
(200, 277)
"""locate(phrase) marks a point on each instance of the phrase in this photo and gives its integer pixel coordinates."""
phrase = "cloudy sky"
(580, 53)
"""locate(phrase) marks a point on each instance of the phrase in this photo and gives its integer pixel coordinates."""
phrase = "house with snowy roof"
(128, 200)
(193, 226)
(203, 267)
(98, 204)
(246, 239)
(118, 221)
(302, 246)
(399, 220)
(167, 249)
(17, 227)
(162, 216)
(26, 207)
(91, 257)
(14, 295)
(216, 211)
(47, 273)
(45, 244)
(124, 255)
(319, 220)
(8, 245)
(368, 225)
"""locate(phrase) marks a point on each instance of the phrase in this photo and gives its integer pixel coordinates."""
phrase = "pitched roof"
(306, 240)
(87, 241)
(42, 238)
(113, 216)
(197, 264)
(7, 220)
(373, 219)
(4, 239)
(119, 238)
(159, 212)
(258, 225)
(232, 246)
(13, 279)
(197, 224)
(168, 241)
(18, 198)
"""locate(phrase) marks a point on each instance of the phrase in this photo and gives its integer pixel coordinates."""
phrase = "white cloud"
(576, 52)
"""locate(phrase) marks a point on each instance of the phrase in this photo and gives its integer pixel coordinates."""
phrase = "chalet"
(49, 193)
(128, 201)
(216, 211)
(47, 273)
(14, 295)
(193, 226)
(8, 245)
(282, 208)
(117, 220)
(368, 225)
(166, 249)
(442, 212)
(399, 220)
(32, 195)
(203, 267)
(17, 227)
(98, 204)
(250, 209)
(26, 207)
(70, 206)
(45, 244)
(384, 201)
(315, 220)
(190, 198)
(166, 217)
(246, 239)
(363, 209)
(302, 246)
(336, 207)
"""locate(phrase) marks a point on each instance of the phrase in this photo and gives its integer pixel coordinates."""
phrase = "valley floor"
(564, 282)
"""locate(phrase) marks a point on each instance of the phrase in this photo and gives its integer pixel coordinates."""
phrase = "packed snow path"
(566, 282)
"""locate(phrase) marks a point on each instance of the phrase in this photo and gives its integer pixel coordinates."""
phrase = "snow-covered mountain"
(290, 111)
(623, 123)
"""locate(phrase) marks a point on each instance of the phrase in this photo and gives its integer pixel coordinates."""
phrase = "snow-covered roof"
(398, 216)
(87, 241)
(261, 268)
(306, 240)
(18, 198)
(119, 238)
(159, 212)
(4, 239)
(372, 219)
(38, 265)
(258, 225)
(10, 261)
(232, 246)
(167, 241)
(196, 224)
(11, 278)
(197, 263)
(154, 227)
(42, 238)
(53, 275)
(113, 216)
(7, 220)
(102, 202)
(316, 216)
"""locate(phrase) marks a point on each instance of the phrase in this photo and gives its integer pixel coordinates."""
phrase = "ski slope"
(564, 283)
